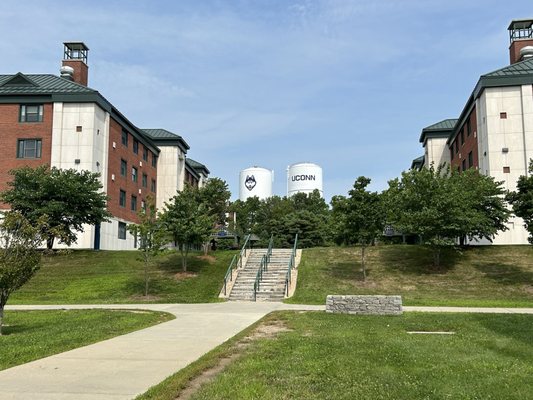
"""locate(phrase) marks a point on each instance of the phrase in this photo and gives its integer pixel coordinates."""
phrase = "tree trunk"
(1, 318)
(363, 261)
(146, 261)
(436, 257)
(50, 242)
(183, 258)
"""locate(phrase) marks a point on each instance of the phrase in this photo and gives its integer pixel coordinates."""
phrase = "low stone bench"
(364, 304)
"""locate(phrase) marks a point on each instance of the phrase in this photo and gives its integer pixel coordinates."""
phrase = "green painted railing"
(263, 266)
(292, 260)
(236, 262)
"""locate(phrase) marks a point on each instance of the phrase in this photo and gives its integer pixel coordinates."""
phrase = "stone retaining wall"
(364, 305)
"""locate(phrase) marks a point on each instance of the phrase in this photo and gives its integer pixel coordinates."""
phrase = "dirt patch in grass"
(208, 258)
(268, 330)
(181, 276)
(140, 297)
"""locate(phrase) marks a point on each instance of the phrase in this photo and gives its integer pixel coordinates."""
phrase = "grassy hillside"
(491, 276)
(89, 277)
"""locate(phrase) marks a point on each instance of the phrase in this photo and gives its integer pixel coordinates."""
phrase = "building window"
(143, 205)
(135, 146)
(122, 199)
(122, 230)
(124, 138)
(145, 180)
(29, 148)
(470, 160)
(123, 167)
(463, 164)
(133, 203)
(154, 160)
(451, 153)
(134, 174)
(152, 185)
(456, 146)
(462, 136)
(31, 113)
(468, 127)
(503, 115)
(506, 170)
(145, 154)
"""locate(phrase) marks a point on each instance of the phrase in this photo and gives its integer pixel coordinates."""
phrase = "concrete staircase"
(272, 286)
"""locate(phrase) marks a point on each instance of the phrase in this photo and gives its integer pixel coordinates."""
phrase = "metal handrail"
(288, 277)
(259, 276)
(236, 262)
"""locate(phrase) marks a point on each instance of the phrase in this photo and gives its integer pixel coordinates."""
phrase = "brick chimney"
(520, 36)
(75, 57)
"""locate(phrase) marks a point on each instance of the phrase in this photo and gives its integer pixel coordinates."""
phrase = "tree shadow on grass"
(517, 327)
(348, 271)
(504, 273)
(417, 260)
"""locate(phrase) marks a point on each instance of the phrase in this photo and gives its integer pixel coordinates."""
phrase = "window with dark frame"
(122, 199)
(152, 185)
(125, 137)
(31, 113)
(133, 203)
(29, 148)
(154, 160)
(468, 127)
(456, 146)
(122, 230)
(123, 167)
(462, 136)
(134, 174)
(470, 160)
(135, 146)
(145, 180)
(463, 164)
(143, 205)
(145, 154)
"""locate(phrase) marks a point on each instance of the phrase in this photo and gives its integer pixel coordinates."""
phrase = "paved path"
(126, 366)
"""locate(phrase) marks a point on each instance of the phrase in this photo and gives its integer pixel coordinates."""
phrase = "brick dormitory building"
(494, 132)
(60, 121)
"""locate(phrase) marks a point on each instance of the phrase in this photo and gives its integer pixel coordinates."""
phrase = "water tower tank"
(255, 181)
(304, 178)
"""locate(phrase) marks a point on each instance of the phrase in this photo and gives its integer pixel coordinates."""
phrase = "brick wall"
(470, 144)
(116, 154)
(11, 130)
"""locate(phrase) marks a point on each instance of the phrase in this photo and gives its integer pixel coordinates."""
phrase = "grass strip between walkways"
(327, 356)
(31, 335)
(483, 276)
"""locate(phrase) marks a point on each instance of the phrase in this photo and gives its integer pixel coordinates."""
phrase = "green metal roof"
(198, 167)
(440, 129)
(21, 84)
(162, 137)
(418, 162)
(48, 88)
(520, 24)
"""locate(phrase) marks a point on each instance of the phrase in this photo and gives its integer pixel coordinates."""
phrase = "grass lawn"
(30, 335)
(92, 277)
(485, 276)
(327, 356)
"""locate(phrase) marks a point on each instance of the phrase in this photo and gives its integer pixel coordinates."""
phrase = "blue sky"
(345, 84)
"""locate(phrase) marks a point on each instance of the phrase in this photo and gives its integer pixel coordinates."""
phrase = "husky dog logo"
(250, 182)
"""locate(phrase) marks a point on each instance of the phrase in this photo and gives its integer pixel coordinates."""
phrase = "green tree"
(188, 221)
(151, 237)
(215, 195)
(440, 206)
(19, 255)
(68, 198)
(522, 200)
(359, 218)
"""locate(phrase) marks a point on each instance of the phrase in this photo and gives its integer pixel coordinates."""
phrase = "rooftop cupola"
(75, 57)
(520, 36)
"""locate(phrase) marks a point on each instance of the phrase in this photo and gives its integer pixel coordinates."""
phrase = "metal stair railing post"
(229, 273)
(288, 277)
(245, 247)
(270, 245)
(259, 276)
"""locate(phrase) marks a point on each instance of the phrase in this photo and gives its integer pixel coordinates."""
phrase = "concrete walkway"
(128, 365)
